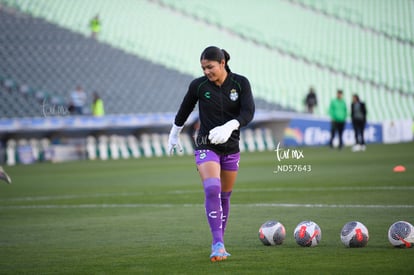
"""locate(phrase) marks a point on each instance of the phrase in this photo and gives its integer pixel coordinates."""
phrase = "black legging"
(337, 127)
(359, 126)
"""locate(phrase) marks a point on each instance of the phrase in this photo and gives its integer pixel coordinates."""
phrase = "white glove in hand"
(221, 134)
(174, 139)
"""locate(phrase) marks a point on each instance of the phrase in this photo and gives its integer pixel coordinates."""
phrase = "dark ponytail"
(216, 54)
(226, 58)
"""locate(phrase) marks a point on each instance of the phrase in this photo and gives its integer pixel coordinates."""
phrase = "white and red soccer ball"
(272, 233)
(354, 234)
(307, 234)
(401, 234)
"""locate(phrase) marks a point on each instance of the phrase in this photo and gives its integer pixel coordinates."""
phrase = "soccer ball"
(354, 234)
(307, 233)
(272, 233)
(401, 234)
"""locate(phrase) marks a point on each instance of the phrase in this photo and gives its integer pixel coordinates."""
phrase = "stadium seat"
(133, 146)
(11, 152)
(103, 147)
(113, 147)
(91, 147)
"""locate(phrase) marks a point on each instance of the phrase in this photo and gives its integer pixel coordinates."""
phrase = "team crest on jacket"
(234, 95)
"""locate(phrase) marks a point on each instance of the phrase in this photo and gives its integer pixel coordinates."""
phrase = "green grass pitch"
(146, 216)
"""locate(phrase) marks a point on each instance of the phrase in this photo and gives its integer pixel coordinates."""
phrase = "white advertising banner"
(394, 131)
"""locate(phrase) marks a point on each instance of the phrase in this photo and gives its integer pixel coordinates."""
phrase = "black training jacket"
(218, 105)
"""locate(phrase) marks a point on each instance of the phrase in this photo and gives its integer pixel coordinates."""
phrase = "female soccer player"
(225, 104)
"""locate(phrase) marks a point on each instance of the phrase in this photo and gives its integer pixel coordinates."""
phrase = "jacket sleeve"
(187, 105)
(247, 106)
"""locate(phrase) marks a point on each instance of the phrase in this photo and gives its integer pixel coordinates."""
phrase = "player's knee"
(212, 191)
(212, 188)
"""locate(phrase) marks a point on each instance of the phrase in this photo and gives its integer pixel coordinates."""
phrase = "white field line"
(138, 205)
(256, 190)
(69, 197)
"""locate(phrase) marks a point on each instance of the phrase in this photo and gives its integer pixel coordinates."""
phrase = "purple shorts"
(227, 162)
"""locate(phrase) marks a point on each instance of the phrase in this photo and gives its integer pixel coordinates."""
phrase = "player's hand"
(221, 134)
(174, 139)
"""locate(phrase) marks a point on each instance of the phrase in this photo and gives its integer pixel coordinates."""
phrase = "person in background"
(4, 176)
(338, 114)
(77, 101)
(95, 26)
(97, 105)
(225, 103)
(359, 120)
(311, 100)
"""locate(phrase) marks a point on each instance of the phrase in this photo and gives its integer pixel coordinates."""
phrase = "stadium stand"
(55, 60)
(378, 16)
(330, 43)
(349, 48)
(300, 43)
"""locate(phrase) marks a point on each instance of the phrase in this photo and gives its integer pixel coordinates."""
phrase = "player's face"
(213, 70)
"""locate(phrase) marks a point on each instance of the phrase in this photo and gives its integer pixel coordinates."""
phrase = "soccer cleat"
(218, 252)
(4, 176)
